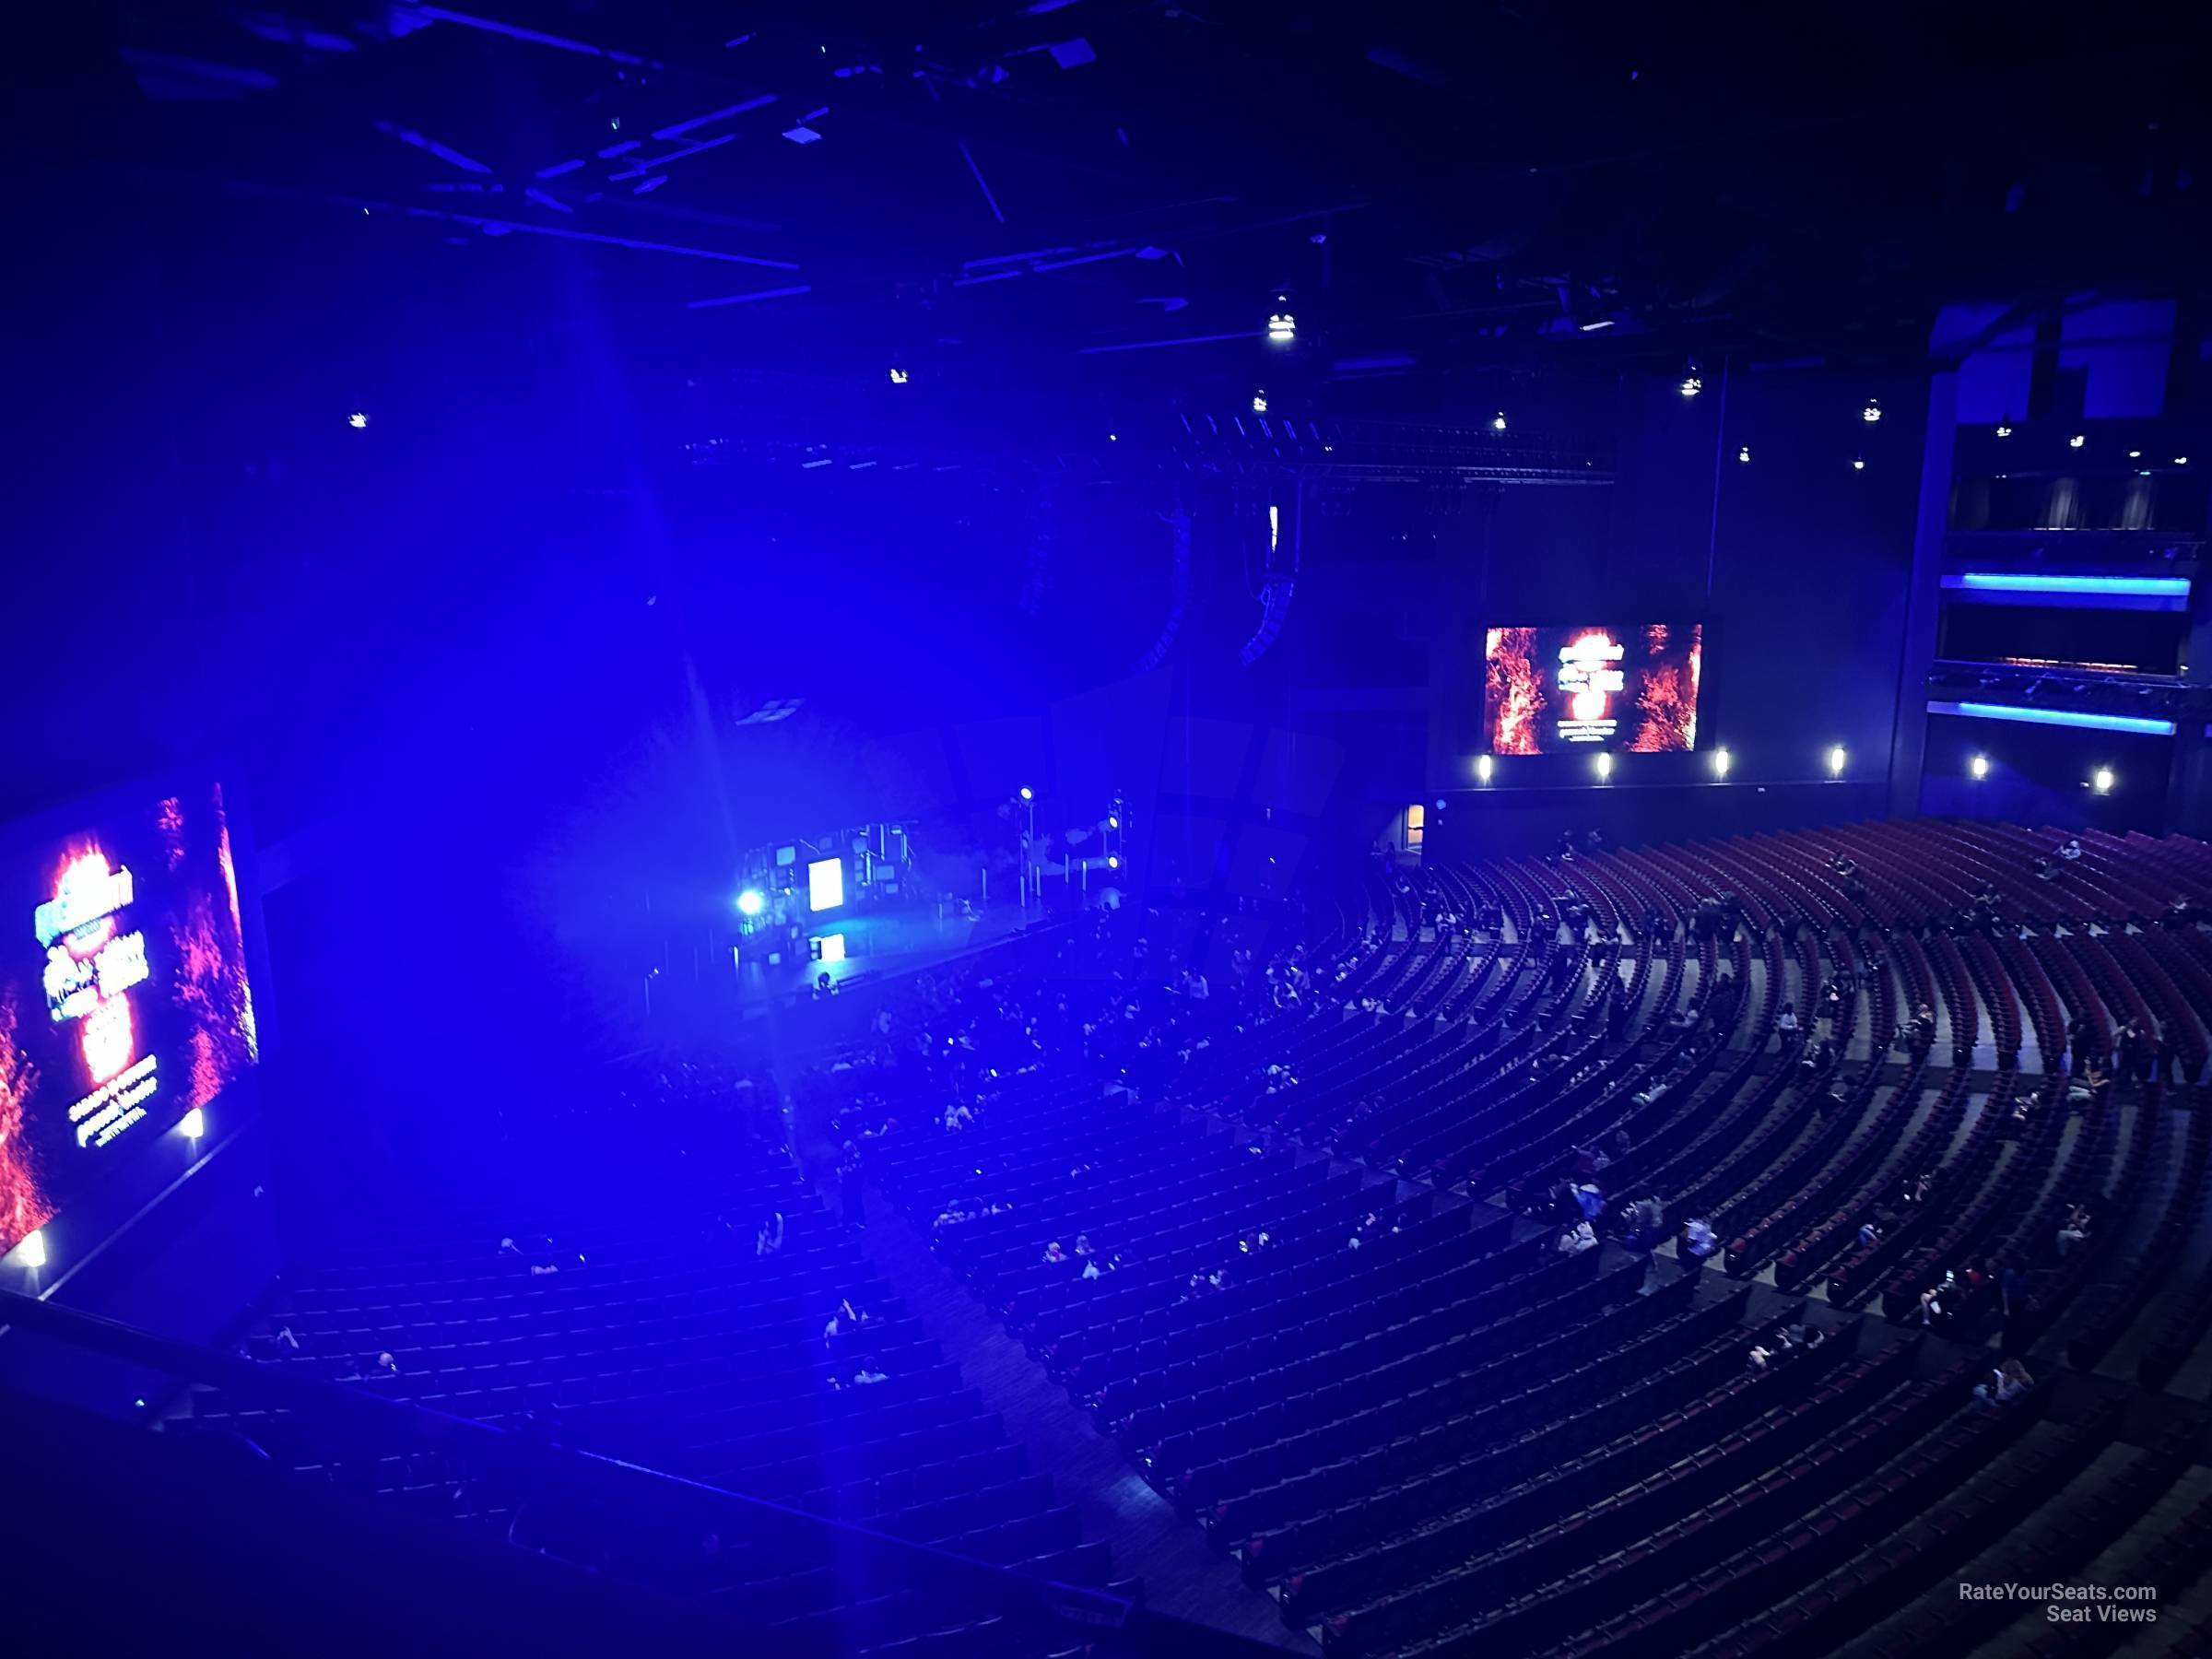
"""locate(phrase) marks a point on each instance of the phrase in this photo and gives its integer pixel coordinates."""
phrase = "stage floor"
(886, 943)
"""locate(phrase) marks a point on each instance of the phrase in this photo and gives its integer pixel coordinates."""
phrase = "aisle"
(1182, 1576)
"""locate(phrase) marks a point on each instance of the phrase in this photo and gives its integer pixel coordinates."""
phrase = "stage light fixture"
(2101, 781)
(1259, 401)
(1691, 384)
(1604, 763)
(1979, 766)
(1498, 425)
(1873, 411)
(1483, 766)
(1836, 758)
(1282, 327)
(1027, 793)
(1113, 823)
(31, 1251)
(2078, 440)
(1858, 464)
(2135, 454)
(751, 902)
(2181, 460)
(2003, 430)
(1744, 453)
(194, 1123)
(358, 420)
(899, 377)
(1720, 763)
(1112, 862)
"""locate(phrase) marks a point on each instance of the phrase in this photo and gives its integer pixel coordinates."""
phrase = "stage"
(888, 942)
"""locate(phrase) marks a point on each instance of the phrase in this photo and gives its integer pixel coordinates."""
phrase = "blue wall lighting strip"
(2058, 717)
(2031, 587)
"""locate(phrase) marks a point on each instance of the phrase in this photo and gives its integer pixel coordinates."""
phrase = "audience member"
(1648, 1220)
(1699, 1239)
(2012, 1288)
(2005, 1384)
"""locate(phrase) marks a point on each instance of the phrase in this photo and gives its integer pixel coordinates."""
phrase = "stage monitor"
(825, 884)
(125, 1003)
(1553, 691)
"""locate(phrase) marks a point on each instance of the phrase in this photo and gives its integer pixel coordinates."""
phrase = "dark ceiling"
(1083, 196)
(565, 250)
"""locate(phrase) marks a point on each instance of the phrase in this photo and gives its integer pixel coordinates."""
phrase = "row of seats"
(1424, 1427)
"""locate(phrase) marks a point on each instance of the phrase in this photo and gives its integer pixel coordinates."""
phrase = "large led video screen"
(1551, 690)
(124, 994)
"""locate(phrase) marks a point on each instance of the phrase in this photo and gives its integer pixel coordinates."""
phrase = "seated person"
(2007, 1384)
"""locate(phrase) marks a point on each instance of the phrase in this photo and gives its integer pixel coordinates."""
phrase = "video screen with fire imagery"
(1547, 690)
(124, 994)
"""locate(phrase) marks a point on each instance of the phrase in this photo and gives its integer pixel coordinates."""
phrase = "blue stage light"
(751, 901)
(2057, 717)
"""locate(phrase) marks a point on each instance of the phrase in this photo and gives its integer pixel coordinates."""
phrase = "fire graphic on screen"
(1669, 698)
(1549, 689)
(1591, 677)
(130, 930)
(90, 963)
(1517, 695)
(23, 1208)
